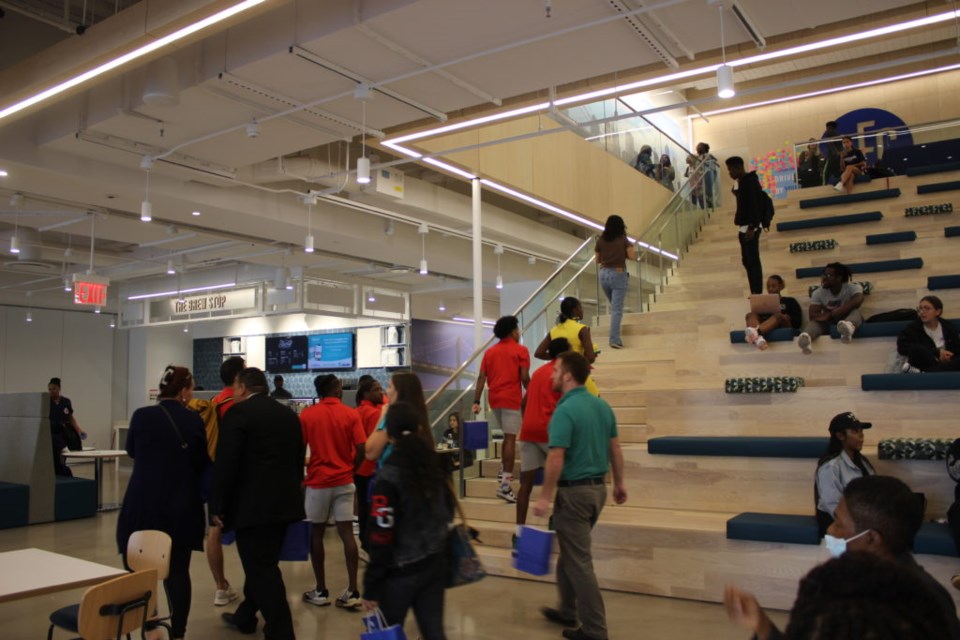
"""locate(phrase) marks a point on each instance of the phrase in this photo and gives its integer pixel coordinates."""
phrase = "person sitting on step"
(929, 343)
(790, 315)
(836, 301)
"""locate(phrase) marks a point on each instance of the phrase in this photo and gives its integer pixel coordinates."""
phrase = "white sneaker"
(804, 342)
(319, 598)
(349, 600)
(846, 329)
(762, 344)
(752, 334)
(224, 597)
(506, 493)
(838, 186)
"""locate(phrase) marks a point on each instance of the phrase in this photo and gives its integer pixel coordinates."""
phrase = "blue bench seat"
(830, 221)
(867, 267)
(951, 232)
(742, 446)
(947, 381)
(936, 187)
(847, 198)
(14, 505)
(943, 282)
(934, 538)
(927, 169)
(887, 238)
(74, 498)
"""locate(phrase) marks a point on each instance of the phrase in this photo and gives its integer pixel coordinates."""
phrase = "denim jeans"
(614, 285)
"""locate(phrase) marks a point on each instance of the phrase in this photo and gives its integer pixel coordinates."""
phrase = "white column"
(477, 268)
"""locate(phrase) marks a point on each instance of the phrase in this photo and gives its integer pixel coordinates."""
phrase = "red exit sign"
(90, 290)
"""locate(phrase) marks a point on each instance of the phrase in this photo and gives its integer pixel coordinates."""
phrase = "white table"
(32, 572)
(98, 456)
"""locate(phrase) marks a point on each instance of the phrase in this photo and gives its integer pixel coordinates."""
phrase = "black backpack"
(897, 315)
(766, 216)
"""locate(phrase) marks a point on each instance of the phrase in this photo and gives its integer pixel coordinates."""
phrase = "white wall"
(77, 347)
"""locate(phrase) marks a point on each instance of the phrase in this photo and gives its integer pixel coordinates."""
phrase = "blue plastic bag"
(377, 628)
(533, 551)
(475, 434)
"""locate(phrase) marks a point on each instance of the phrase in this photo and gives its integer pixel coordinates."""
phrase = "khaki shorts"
(509, 420)
(533, 455)
(330, 504)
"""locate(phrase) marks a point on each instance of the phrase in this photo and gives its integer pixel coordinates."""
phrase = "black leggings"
(178, 588)
(419, 586)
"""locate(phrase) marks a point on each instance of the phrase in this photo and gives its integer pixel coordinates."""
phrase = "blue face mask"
(836, 547)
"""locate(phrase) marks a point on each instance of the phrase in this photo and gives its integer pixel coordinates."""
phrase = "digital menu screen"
(331, 351)
(287, 353)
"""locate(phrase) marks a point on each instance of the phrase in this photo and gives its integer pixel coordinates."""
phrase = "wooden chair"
(116, 608)
(151, 549)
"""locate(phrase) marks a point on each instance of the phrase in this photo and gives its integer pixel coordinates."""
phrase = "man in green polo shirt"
(583, 445)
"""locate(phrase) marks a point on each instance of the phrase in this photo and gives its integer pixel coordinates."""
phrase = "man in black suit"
(257, 482)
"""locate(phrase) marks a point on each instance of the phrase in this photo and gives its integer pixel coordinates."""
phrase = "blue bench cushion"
(830, 221)
(739, 446)
(14, 505)
(863, 196)
(910, 381)
(938, 186)
(943, 282)
(927, 169)
(913, 448)
(935, 538)
(951, 232)
(886, 238)
(867, 267)
(773, 527)
(74, 498)
(783, 334)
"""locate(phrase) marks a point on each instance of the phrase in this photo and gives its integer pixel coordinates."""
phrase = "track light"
(171, 270)
(14, 245)
(308, 243)
(363, 170)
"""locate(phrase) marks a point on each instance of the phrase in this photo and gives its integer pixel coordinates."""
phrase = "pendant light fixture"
(725, 87)
(423, 230)
(146, 208)
(498, 250)
(171, 270)
(29, 317)
(15, 201)
(361, 93)
(309, 200)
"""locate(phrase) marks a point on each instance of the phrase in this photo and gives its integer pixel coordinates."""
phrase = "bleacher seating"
(943, 282)
(888, 238)
(937, 187)
(876, 266)
(848, 198)
(830, 221)
(910, 382)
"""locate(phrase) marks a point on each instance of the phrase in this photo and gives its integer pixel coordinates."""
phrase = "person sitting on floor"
(878, 515)
(841, 463)
(836, 301)
(790, 315)
(852, 164)
(929, 343)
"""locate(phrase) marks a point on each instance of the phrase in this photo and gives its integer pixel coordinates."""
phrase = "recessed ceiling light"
(196, 213)
(3, 174)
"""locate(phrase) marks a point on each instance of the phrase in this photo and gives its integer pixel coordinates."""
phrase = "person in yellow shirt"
(577, 334)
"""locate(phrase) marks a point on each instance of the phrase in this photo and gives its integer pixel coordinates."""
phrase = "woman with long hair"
(168, 445)
(575, 332)
(402, 387)
(611, 252)
(665, 173)
(840, 463)
(412, 507)
(929, 343)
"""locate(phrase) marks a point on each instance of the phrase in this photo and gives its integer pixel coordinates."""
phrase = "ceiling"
(77, 159)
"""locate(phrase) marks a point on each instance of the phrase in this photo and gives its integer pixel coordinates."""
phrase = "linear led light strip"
(488, 323)
(132, 55)
(164, 294)
(847, 87)
(680, 75)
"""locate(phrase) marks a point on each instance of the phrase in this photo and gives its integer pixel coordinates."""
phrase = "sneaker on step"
(752, 334)
(838, 186)
(224, 597)
(804, 342)
(762, 343)
(616, 345)
(319, 598)
(349, 599)
(506, 493)
(845, 328)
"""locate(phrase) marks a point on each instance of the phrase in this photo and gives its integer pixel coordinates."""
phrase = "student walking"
(748, 219)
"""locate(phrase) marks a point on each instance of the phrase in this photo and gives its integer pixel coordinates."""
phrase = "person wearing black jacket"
(748, 219)
(929, 343)
(411, 507)
(257, 480)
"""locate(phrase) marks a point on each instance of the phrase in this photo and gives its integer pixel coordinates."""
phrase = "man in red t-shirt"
(335, 436)
(369, 408)
(539, 404)
(505, 368)
(229, 370)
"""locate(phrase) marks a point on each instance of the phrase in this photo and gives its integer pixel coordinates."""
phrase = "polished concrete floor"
(495, 608)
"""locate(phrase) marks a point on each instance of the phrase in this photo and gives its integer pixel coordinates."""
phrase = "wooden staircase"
(669, 539)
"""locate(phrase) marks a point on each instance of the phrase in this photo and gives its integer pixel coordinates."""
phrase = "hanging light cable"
(725, 87)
